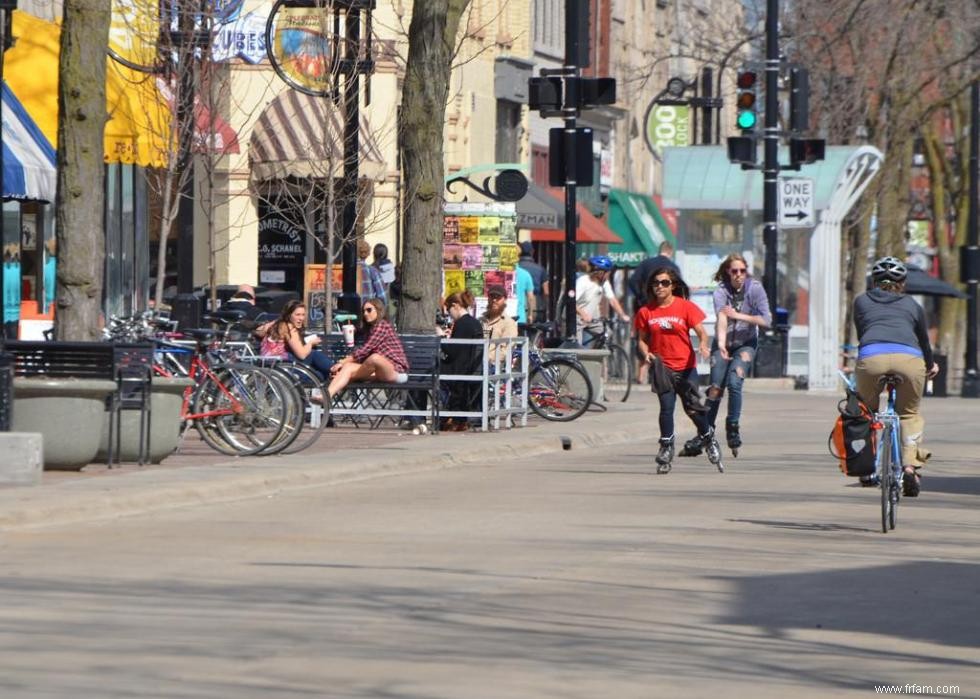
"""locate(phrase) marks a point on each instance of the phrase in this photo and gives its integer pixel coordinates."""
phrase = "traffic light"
(806, 150)
(747, 83)
(799, 100)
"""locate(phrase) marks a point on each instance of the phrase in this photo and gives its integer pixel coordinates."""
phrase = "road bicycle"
(617, 368)
(889, 472)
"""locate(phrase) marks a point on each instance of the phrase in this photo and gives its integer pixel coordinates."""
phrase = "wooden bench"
(373, 402)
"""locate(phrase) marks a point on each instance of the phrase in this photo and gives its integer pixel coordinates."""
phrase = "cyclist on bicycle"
(589, 291)
(893, 339)
(663, 328)
(742, 307)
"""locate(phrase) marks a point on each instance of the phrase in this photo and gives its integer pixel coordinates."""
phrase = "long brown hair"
(680, 287)
(379, 307)
(283, 320)
(722, 276)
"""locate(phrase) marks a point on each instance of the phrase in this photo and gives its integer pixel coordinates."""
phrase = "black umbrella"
(919, 283)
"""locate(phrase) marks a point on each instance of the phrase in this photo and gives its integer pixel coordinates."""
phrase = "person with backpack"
(893, 338)
(741, 308)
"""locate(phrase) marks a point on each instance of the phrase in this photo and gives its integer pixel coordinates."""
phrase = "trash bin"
(939, 388)
(769, 356)
(6, 391)
(187, 310)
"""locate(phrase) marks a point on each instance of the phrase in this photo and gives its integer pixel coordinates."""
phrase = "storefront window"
(126, 242)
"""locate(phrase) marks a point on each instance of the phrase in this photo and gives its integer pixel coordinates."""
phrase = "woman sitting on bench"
(380, 358)
(284, 338)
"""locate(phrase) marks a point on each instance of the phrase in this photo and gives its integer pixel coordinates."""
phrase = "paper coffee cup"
(349, 335)
(309, 338)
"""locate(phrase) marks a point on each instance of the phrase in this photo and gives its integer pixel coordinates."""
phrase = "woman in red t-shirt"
(663, 328)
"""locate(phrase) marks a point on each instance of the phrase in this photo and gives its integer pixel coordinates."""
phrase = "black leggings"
(685, 384)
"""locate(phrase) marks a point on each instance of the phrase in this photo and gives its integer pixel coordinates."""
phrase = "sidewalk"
(198, 475)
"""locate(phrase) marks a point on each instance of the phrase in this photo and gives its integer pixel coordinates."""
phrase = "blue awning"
(29, 165)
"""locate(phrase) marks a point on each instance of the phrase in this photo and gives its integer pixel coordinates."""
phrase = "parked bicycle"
(617, 368)
(559, 387)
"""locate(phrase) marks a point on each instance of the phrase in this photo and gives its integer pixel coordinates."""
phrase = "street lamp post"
(970, 266)
(355, 60)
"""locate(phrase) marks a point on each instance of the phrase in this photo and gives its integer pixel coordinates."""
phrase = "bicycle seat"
(890, 379)
(200, 334)
(225, 316)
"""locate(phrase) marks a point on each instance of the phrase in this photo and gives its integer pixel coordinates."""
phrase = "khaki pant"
(908, 395)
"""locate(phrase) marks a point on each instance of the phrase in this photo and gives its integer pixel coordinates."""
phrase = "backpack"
(854, 439)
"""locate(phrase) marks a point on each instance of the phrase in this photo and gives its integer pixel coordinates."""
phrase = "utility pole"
(970, 253)
(770, 169)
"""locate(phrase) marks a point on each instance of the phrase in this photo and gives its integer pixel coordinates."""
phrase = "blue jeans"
(317, 361)
(668, 400)
(729, 373)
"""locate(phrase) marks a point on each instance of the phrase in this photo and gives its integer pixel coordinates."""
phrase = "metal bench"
(373, 402)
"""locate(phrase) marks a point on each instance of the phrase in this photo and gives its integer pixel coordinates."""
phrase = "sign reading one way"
(796, 203)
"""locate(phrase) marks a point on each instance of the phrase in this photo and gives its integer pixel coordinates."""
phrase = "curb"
(157, 490)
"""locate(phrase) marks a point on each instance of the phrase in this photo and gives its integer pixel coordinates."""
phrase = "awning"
(539, 209)
(637, 220)
(701, 177)
(29, 166)
(590, 229)
(298, 135)
(138, 119)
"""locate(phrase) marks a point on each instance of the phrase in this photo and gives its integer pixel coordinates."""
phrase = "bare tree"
(80, 199)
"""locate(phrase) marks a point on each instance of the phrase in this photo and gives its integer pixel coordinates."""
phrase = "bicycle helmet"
(601, 262)
(889, 269)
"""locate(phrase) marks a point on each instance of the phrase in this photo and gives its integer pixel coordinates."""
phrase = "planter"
(166, 398)
(591, 361)
(69, 413)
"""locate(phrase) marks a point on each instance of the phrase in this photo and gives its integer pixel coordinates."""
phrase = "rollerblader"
(742, 308)
(663, 327)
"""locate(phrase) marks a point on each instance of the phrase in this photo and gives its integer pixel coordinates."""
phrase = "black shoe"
(732, 435)
(692, 447)
(910, 484)
(869, 481)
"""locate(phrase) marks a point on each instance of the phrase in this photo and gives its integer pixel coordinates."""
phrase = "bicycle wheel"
(619, 369)
(886, 477)
(314, 403)
(292, 421)
(250, 408)
(559, 390)
(896, 483)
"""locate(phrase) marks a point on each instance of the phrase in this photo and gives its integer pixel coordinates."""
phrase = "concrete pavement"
(344, 455)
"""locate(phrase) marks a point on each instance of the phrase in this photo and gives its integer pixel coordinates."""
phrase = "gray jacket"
(884, 316)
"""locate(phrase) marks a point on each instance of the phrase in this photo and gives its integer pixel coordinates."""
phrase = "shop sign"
(242, 38)
(280, 242)
(667, 125)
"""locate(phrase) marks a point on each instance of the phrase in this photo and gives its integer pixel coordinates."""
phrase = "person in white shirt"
(590, 289)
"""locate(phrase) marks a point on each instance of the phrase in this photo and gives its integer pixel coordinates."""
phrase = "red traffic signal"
(746, 79)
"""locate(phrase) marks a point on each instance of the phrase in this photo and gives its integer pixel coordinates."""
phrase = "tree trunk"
(80, 201)
(431, 42)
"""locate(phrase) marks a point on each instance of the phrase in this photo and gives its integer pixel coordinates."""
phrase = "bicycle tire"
(885, 476)
(619, 369)
(261, 406)
(202, 401)
(292, 420)
(314, 416)
(559, 389)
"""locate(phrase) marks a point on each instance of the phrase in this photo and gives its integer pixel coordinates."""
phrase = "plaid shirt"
(383, 340)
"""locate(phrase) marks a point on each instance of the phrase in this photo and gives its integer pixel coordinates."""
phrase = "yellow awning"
(139, 120)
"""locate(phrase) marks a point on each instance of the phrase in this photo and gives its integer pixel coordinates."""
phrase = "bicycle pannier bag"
(853, 441)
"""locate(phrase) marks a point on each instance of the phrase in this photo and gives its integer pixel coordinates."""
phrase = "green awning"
(637, 220)
(701, 177)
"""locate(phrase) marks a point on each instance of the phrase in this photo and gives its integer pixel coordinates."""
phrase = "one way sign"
(796, 203)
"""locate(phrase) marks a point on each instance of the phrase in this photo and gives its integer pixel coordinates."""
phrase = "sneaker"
(910, 484)
(870, 481)
(692, 447)
(666, 453)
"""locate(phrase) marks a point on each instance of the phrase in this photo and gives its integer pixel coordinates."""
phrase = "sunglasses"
(495, 297)
(370, 309)
(662, 282)
(738, 270)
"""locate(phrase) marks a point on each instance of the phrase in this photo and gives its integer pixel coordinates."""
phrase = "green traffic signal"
(746, 120)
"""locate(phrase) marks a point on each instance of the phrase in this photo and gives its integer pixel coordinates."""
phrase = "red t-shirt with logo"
(669, 329)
